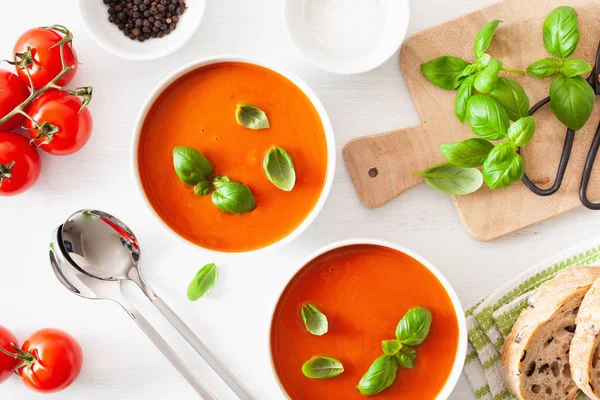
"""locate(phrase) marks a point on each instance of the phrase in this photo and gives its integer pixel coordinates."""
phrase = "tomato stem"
(6, 174)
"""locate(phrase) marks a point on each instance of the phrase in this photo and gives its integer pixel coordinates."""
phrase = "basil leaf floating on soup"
(391, 347)
(314, 320)
(202, 188)
(204, 280)
(322, 368)
(232, 197)
(190, 166)
(251, 117)
(407, 357)
(279, 168)
(380, 376)
(414, 327)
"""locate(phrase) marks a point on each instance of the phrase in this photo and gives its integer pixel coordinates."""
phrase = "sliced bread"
(535, 356)
(585, 354)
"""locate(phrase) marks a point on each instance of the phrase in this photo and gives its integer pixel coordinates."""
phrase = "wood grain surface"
(486, 214)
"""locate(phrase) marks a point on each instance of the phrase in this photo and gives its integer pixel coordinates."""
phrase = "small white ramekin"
(329, 138)
(461, 351)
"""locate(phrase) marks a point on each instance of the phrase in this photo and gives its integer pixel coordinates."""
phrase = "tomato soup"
(364, 290)
(199, 111)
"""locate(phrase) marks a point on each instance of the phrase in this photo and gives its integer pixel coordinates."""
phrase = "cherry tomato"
(65, 127)
(46, 63)
(7, 364)
(12, 93)
(20, 164)
(53, 361)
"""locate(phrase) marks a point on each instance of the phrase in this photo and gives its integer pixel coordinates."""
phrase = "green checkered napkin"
(490, 320)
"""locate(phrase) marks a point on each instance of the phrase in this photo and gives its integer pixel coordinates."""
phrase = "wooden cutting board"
(381, 166)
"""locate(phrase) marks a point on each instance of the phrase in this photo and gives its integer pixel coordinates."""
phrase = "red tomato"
(7, 364)
(12, 93)
(66, 128)
(53, 360)
(20, 164)
(46, 63)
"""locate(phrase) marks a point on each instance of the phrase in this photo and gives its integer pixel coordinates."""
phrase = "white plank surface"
(120, 363)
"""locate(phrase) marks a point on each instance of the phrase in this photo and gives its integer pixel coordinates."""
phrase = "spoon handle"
(201, 349)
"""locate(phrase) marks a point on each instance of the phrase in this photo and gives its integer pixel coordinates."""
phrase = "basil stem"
(322, 368)
(204, 280)
(314, 320)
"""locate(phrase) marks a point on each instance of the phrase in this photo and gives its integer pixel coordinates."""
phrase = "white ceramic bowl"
(329, 138)
(95, 16)
(392, 36)
(461, 351)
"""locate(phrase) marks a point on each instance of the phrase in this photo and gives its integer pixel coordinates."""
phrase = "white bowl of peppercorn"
(142, 29)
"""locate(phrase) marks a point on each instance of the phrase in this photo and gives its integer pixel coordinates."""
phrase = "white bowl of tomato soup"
(364, 288)
(196, 107)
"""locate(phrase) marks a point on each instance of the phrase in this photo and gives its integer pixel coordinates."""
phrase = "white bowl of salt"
(347, 36)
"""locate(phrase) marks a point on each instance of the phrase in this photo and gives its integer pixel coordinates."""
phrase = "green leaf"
(487, 117)
(232, 197)
(414, 327)
(485, 36)
(521, 132)
(391, 347)
(445, 72)
(204, 280)
(380, 376)
(453, 180)
(487, 79)
(322, 368)
(314, 320)
(465, 92)
(251, 117)
(469, 153)
(279, 168)
(407, 357)
(483, 61)
(561, 32)
(572, 100)
(545, 68)
(503, 166)
(202, 188)
(510, 95)
(576, 67)
(190, 166)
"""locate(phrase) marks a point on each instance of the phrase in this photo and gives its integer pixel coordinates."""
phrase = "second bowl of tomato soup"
(368, 318)
(234, 156)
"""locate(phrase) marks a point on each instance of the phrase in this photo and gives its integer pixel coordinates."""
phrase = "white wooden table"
(121, 363)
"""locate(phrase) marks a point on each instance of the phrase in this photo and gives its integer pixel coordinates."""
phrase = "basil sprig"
(314, 320)
(322, 367)
(190, 166)
(279, 168)
(251, 117)
(571, 97)
(204, 280)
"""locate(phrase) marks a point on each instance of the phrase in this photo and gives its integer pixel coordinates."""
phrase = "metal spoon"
(92, 253)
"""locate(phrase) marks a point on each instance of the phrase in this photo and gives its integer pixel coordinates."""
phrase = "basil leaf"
(380, 376)
(190, 166)
(445, 72)
(251, 117)
(407, 357)
(483, 61)
(453, 180)
(510, 95)
(572, 100)
(322, 368)
(391, 347)
(485, 36)
(202, 188)
(314, 320)
(414, 327)
(488, 119)
(465, 92)
(204, 280)
(576, 67)
(561, 32)
(469, 153)
(219, 181)
(503, 166)
(279, 168)
(486, 80)
(233, 197)
(545, 68)
(521, 132)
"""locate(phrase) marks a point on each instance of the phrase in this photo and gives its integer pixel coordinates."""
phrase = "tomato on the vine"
(51, 360)
(12, 93)
(20, 164)
(63, 127)
(7, 363)
(44, 62)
